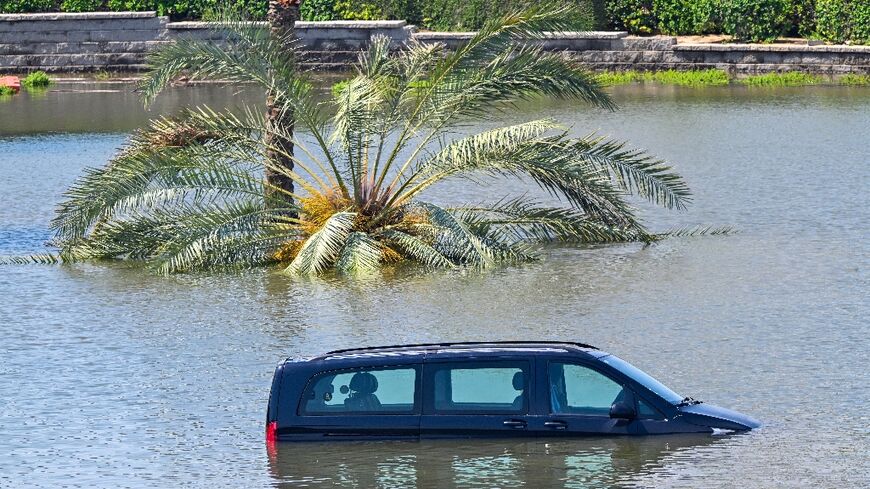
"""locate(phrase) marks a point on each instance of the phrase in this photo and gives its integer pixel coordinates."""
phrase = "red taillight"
(272, 431)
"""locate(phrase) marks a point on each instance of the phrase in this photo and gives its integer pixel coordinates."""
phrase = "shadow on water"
(577, 463)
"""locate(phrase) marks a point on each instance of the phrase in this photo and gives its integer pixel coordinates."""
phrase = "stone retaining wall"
(120, 41)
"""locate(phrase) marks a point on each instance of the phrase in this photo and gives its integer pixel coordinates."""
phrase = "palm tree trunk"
(282, 15)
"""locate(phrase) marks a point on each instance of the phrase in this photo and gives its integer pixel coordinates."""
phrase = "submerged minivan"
(485, 389)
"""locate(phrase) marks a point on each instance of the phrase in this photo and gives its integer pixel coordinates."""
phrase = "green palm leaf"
(322, 248)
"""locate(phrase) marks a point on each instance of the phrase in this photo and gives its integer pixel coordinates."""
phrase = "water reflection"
(577, 463)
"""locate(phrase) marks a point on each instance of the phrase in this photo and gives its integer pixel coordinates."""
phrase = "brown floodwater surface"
(112, 377)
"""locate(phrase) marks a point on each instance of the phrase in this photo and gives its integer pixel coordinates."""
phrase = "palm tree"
(193, 192)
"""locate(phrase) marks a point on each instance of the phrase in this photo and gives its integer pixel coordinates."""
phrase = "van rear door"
(371, 402)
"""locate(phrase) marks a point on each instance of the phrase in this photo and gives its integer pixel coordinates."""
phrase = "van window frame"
(418, 388)
(618, 378)
(432, 367)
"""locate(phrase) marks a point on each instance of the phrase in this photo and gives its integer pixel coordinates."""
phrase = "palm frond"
(361, 255)
(635, 171)
(248, 54)
(416, 249)
(36, 258)
(323, 247)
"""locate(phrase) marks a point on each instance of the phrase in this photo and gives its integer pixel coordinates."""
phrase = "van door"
(477, 398)
(577, 397)
(360, 403)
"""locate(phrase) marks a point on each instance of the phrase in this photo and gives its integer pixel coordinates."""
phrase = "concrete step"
(81, 47)
(7, 37)
(96, 60)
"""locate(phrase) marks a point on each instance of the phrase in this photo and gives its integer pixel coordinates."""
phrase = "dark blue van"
(491, 389)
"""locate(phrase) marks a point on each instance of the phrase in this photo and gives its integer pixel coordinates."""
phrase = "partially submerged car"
(487, 389)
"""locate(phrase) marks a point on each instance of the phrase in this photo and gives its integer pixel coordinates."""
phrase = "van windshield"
(643, 378)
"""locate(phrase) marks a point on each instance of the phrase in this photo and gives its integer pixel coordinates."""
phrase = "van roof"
(455, 347)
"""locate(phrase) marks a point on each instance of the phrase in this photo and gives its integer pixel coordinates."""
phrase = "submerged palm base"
(190, 193)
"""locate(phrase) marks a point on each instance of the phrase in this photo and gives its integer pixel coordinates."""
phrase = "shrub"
(755, 20)
(843, 20)
(5, 91)
(683, 17)
(354, 10)
(317, 10)
(81, 5)
(634, 16)
(25, 6)
(860, 22)
(832, 20)
(472, 14)
(803, 18)
(37, 79)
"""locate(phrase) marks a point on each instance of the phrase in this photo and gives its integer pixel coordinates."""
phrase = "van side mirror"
(622, 410)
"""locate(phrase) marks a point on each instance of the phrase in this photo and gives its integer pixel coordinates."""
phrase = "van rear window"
(362, 391)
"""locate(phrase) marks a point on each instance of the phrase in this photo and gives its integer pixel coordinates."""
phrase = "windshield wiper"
(688, 401)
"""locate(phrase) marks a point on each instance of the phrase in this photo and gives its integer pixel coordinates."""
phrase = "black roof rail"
(458, 343)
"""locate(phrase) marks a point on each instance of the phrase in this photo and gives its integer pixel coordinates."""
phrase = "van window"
(475, 388)
(575, 389)
(362, 391)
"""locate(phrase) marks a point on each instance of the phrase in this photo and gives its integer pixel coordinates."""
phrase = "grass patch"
(37, 79)
(694, 78)
(338, 87)
(103, 75)
(789, 79)
(853, 80)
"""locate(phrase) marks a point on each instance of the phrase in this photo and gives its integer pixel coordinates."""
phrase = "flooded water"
(110, 377)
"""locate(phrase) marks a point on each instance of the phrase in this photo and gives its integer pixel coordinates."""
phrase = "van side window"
(477, 388)
(575, 389)
(361, 391)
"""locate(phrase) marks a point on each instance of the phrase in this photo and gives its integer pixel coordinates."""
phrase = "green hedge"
(746, 20)
(843, 20)
(769, 19)
(177, 9)
(683, 17)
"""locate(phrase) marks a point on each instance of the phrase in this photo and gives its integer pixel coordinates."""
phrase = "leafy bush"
(471, 14)
(354, 10)
(317, 10)
(684, 17)
(634, 16)
(755, 20)
(860, 22)
(5, 91)
(36, 79)
(803, 18)
(25, 6)
(843, 20)
(832, 20)
(81, 5)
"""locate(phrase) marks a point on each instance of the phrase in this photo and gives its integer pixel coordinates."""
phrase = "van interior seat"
(362, 396)
(519, 382)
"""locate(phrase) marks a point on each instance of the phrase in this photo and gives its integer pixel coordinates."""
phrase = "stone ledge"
(464, 36)
(772, 48)
(195, 25)
(76, 16)
(352, 24)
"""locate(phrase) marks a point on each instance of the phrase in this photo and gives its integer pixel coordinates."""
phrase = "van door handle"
(556, 425)
(514, 423)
